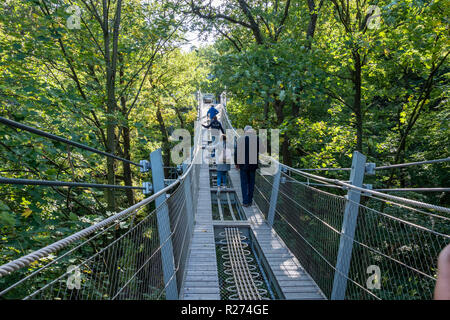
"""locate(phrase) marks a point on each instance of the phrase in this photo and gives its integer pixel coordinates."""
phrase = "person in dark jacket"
(246, 153)
(215, 125)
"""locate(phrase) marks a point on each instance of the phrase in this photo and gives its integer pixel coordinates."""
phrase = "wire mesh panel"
(395, 247)
(403, 244)
(180, 223)
(308, 220)
(263, 190)
(120, 261)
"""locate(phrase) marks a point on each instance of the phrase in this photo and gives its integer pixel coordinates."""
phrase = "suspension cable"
(415, 190)
(327, 169)
(393, 166)
(402, 165)
(51, 136)
(51, 183)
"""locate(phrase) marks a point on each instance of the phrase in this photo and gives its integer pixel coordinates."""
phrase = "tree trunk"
(111, 63)
(180, 117)
(110, 108)
(278, 106)
(127, 174)
(313, 15)
(165, 138)
(357, 100)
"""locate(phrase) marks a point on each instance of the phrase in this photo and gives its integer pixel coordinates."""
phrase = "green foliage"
(316, 73)
(54, 78)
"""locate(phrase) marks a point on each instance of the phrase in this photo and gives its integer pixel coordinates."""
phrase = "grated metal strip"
(219, 205)
(231, 207)
(238, 260)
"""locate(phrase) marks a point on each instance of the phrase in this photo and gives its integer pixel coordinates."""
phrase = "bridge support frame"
(188, 197)
(348, 227)
(167, 257)
(274, 196)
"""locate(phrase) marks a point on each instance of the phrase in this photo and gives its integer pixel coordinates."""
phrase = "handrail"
(402, 165)
(53, 183)
(54, 137)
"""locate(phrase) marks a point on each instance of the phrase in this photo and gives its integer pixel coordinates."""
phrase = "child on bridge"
(223, 164)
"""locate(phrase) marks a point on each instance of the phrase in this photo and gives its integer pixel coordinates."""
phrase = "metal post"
(274, 196)
(348, 227)
(188, 196)
(168, 263)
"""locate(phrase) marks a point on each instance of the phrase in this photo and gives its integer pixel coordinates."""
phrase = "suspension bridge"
(306, 236)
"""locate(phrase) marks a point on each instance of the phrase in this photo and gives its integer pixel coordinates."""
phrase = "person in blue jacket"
(212, 112)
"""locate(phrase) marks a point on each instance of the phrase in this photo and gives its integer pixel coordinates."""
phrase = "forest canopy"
(334, 76)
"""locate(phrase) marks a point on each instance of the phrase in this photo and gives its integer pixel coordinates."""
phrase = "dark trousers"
(247, 185)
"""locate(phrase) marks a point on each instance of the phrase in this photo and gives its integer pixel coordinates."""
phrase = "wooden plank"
(201, 280)
(197, 290)
(191, 296)
(294, 282)
(303, 296)
(197, 284)
(301, 289)
(195, 272)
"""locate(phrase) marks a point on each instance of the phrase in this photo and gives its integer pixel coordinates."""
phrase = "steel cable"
(18, 125)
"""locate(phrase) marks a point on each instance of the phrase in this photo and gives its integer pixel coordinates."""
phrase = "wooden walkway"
(292, 279)
(201, 281)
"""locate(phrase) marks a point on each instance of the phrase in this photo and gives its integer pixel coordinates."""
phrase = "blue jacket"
(212, 112)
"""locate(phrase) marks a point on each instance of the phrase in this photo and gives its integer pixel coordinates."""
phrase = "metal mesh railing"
(119, 261)
(308, 220)
(102, 266)
(117, 258)
(402, 242)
